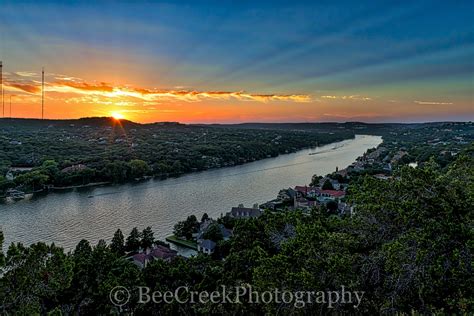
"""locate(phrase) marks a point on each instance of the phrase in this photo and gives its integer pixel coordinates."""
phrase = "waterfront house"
(74, 168)
(158, 252)
(330, 195)
(303, 203)
(244, 212)
(287, 195)
(206, 246)
(335, 184)
(204, 226)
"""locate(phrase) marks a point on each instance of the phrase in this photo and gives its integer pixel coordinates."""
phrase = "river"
(95, 213)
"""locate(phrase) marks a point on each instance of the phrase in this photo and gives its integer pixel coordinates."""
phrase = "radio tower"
(1, 83)
(42, 93)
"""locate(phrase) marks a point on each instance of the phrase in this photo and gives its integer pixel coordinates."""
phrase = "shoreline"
(171, 176)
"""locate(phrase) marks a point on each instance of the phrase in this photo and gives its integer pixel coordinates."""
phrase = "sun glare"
(117, 116)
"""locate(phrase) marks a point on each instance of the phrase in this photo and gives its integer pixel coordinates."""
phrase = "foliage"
(117, 245)
(186, 228)
(327, 185)
(148, 239)
(213, 233)
(133, 241)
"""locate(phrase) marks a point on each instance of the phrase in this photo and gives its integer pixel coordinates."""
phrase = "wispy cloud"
(433, 103)
(22, 87)
(346, 97)
(26, 74)
(108, 90)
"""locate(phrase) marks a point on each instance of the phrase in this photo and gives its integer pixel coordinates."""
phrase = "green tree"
(50, 168)
(118, 243)
(33, 179)
(187, 228)
(138, 168)
(116, 171)
(133, 241)
(147, 238)
(315, 180)
(5, 184)
(2, 256)
(327, 185)
(331, 206)
(213, 232)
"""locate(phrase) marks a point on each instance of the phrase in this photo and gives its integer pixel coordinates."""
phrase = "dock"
(182, 242)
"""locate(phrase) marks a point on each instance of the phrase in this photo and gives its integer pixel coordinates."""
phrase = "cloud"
(26, 74)
(107, 90)
(24, 87)
(100, 87)
(433, 103)
(346, 97)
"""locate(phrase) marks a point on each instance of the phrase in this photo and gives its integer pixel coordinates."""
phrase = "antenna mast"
(1, 83)
(42, 93)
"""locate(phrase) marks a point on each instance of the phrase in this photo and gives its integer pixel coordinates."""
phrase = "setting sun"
(117, 116)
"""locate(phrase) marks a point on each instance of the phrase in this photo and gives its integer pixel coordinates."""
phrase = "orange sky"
(71, 97)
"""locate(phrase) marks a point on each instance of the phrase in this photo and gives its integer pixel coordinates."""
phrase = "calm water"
(95, 213)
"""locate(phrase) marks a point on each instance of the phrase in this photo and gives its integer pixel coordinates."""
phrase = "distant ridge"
(110, 121)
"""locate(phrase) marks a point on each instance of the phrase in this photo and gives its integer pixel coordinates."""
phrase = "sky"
(240, 61)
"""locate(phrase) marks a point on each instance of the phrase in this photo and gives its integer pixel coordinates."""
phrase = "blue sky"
(384, 51)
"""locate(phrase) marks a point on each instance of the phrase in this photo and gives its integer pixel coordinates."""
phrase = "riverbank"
(93, 184)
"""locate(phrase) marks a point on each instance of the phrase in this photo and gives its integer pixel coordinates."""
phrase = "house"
(335, 184)
(286, 194)
(244, 212)
(303, 203)
(204, 226)
(382, 176)
(330, 195)
(158, 252)
(74, 168)
(306, 191)
(206, 246)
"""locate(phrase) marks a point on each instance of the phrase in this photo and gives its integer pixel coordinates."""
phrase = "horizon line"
(222, 123)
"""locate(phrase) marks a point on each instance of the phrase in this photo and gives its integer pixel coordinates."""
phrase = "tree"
(50, 167)
(204, 217)
(116, 171)
(213, 232)
(133, 241)
(147, 238)
(2, 257)
(315, 180)
(186, 228)
(34, 179)
(327, 185)
(5, 184)
(117, 245)
(331, 206)
(138, 168)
